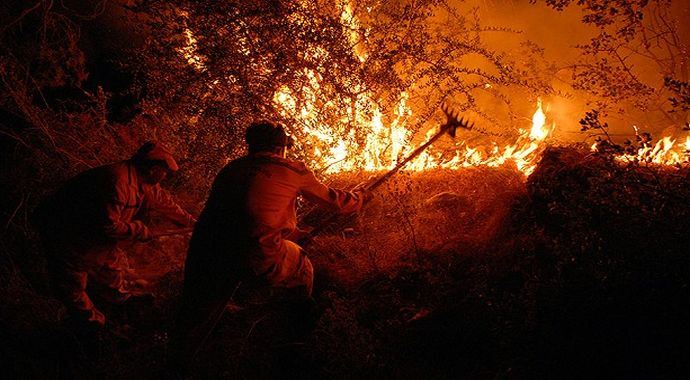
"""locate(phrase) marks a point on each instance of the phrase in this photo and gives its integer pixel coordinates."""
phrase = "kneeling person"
(248, 228)
(83, 223)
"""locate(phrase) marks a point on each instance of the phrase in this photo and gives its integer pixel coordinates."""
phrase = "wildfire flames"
(387, 143)
(666, 151)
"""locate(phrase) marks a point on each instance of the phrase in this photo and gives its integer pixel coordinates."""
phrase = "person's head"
(154, 162)
(268, 137)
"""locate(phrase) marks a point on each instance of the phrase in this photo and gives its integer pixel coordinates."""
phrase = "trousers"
(99, 271)
(293, 271)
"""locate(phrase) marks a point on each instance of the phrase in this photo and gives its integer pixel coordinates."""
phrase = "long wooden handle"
(179, 231)
(383, 178)
(380, 180)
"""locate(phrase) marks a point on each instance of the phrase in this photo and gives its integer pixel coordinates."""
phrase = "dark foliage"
(582, 272)
(680, 100)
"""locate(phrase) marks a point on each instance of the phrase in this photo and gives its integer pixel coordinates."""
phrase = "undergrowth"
(581, 269)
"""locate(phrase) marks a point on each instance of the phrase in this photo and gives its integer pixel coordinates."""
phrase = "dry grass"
(417, 215)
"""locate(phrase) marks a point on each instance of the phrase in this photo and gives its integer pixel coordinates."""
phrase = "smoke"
(559, 33)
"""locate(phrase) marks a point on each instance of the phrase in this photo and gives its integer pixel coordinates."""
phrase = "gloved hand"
(146, 235)
(366, 195)
(190, 221)
(300, 236)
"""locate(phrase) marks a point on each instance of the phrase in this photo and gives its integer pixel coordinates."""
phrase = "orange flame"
(538, 131)
(664, 152)
(385, 145)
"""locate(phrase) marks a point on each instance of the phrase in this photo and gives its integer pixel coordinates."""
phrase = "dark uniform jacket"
(244, 229)
(100, 206)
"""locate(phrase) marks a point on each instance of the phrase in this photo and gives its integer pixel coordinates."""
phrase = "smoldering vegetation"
(581, 270)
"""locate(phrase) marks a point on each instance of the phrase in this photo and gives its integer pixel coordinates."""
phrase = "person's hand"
(301, 236)
(365, 194)
(146, 235)
(190, 221)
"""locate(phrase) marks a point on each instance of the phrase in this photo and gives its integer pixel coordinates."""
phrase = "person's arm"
(343, 201)
(160, 200)
(117, 228)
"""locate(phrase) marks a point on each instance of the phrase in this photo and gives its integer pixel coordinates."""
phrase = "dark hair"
(141, 160)
(266, 136)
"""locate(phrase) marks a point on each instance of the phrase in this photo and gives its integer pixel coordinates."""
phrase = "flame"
(190, 50)
(366, 138)
(388, 139)
(662, 152)
(338, 146)
(538, 131)
(666, 151)
(351, 28)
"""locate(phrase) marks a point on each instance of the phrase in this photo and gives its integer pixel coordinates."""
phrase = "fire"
(538, 131)
(666, 151)
(366, 138)
(361, 136)
(385, 144)
(189, 51)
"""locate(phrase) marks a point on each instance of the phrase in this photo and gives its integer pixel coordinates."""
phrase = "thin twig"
(14, 213)
(21, 16)
(249, 333)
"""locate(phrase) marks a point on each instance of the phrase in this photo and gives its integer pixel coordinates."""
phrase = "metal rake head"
(453, 122)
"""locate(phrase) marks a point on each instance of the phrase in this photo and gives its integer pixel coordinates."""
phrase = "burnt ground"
(581, 270)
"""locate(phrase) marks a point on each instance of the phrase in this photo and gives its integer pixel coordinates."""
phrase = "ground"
(579, 270)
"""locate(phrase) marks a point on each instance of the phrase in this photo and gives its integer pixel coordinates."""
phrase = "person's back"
(247, 229)
(247, 234)
(246, 226)
(220, 235)
(77, 212)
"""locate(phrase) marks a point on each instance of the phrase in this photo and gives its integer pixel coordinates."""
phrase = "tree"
(633, 35)
(330, 70)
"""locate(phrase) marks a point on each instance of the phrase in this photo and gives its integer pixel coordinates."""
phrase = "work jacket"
(100, 207)
(249, 218)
